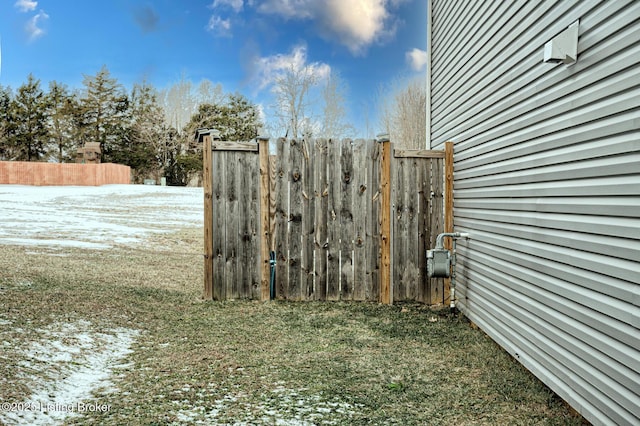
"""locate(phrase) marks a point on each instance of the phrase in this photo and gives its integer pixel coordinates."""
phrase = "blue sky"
(241, 44)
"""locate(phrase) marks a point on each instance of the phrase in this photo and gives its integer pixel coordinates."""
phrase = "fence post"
(448, 207)
(265, 228)
(385, 220)
(208, 214)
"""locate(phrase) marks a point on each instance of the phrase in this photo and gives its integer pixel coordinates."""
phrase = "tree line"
(152, 131)
(148, 130)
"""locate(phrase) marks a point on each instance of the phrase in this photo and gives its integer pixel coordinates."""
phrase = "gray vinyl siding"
(547, 182)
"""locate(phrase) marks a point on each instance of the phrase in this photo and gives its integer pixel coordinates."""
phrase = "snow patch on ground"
(94, 217)
(281, 406)
(71, 361)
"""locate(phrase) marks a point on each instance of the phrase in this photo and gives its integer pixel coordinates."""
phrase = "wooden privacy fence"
(337, 220)
(36, 173)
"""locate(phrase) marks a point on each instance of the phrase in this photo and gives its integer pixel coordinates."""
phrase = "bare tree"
(403, 113)
(182, 100)
(333, 119)
(292, 101)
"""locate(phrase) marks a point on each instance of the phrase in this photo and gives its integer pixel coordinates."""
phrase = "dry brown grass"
(258, 363)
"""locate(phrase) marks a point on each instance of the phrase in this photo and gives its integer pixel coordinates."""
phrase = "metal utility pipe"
(440, 246)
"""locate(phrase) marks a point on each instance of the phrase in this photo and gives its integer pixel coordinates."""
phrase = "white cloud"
(33, 29)
(236, 5)
(268, 69)
(219, 26)
(417, 59)
(289, 9)
(353, 23)
(26, 5)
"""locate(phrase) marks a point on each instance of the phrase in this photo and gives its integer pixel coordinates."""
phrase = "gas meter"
(438, 263)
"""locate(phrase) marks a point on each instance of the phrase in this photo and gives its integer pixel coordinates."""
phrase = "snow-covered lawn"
(94, 217)
(75, 359)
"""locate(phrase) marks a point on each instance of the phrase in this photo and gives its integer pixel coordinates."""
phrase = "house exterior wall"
(547, 182)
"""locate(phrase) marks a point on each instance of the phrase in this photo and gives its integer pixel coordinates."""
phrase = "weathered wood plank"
(424, 191)
(373, 242)
(232, 225)
(255, 281)
(264, 229)
(234, 146)
(321, 194)
(399, 254)
(411, 274)
(308, 221)
(361, 211)
(417, 153)
(448, 206)
(347, 230)
(385, 224)
(282, 218)
(295, 219)
(219, 225)
(208, 219)
(244, 265)
(333, 220)
(436, 222)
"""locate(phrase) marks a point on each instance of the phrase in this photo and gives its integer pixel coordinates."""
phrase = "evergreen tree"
(28, 121)
(104, 109)
(5, 104)
(61, 114)
(237, 119)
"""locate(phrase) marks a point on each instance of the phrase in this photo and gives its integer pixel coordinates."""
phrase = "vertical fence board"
(264, 230)
(424, 191)
(372, 291)
(448, 207)
(385, 224)
(347, 230)
(308, 221)
(282, 219)
(436, 223)
(231, 245)
(295, 219)
(333, 220)
(399, 255)
(411, 273)
(219, 225)
(362, 188)
(321, 194)
(208, 218)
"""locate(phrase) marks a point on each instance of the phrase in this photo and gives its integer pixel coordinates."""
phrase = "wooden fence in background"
(344, 220)
(41, 174)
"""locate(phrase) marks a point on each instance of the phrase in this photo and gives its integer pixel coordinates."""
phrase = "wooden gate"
(343, 220)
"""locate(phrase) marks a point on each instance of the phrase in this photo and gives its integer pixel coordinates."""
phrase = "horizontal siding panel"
(603, 130)
(601, 206)
(579, 334)
(628, 164)
(505, 331)
(554, 89)
(519, 93)
(603, 264)
(568, 281)
(566, 156)
(626, 101)
(485, 71)
(601, 186)
(577, 234)
(541, 336)
(454, 58)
